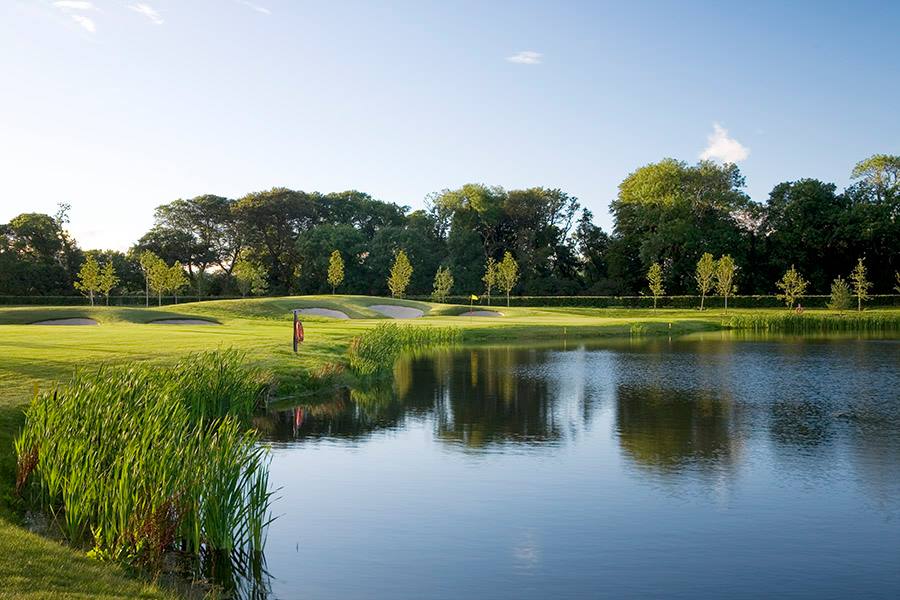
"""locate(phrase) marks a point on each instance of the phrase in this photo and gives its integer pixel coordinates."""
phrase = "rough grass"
(38, 356)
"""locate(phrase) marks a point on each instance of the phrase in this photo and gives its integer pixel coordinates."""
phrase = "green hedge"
(664, 302)
(113, 300)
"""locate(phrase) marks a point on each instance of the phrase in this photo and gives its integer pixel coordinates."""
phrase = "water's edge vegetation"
(134, 460)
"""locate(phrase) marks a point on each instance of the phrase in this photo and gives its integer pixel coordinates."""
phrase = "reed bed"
(377, 349)
(135, 460)
(790, 322)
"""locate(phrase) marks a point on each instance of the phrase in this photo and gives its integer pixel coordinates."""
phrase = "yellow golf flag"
(473, 298)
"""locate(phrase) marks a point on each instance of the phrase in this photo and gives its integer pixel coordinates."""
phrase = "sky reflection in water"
(701, 467)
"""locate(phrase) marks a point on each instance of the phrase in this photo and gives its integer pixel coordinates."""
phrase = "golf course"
(37, 357)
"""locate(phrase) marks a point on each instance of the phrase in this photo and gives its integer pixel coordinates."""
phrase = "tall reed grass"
(136, 460)
(378, 348)
(790, 322)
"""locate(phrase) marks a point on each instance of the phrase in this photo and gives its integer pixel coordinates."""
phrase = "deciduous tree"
(725, 270)
(250, 275)
(401, 273)
(148, 260)
(655, 282)
(89, 278)
(507, 274)
(792, 286)
(176, 279)
(157, 277)
(335, 270)
(861, 284)
(443, 283)
(108, 279)
(705, 275)
(490, 277)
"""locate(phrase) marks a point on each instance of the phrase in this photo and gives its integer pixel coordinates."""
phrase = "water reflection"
(671, 430)
(520, 470)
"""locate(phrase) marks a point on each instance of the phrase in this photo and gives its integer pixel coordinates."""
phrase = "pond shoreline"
(41, 356)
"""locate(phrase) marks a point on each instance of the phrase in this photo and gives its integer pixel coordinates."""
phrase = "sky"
(117, 106)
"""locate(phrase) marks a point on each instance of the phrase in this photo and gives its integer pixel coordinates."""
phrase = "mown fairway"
(33, 355)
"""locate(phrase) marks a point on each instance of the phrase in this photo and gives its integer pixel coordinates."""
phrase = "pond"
(706, 466)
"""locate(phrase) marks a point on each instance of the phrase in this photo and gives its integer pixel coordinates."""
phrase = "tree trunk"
(507, 298)
(702, 298)
(726, 304)
(159, 299)
(147, 292)
(654, 302)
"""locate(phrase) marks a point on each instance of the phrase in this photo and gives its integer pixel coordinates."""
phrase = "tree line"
(668, 216)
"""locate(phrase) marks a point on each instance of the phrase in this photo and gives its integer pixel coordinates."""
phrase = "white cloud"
(148, 11)
(526, 57)
(256, 7)
(74, 5)
(722, 148)
(86, 23)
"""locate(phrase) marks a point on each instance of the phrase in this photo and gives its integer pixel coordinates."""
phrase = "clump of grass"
(378, 348)
(814, 323)
(217, 384)
(134, 460)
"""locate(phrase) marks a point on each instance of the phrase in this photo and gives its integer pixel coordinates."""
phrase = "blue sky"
(117, 106)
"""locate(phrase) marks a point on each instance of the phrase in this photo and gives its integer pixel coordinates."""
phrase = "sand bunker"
(182, 322)
(324, 312)
(397, 312)
(481, 313)
(78, 321)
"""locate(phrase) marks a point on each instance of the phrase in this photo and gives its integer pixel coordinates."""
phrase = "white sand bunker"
(481, 313)
(397, 312)
(182, 322)
(324, 312)
(78, 321)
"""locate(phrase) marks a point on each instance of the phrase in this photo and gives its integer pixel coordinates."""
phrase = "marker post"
(298, 330)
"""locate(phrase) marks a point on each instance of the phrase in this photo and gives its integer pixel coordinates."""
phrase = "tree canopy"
(668, 212)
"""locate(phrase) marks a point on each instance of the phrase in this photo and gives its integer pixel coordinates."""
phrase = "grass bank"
(38, 356)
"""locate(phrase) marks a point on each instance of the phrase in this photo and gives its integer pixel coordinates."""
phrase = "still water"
(700, 467)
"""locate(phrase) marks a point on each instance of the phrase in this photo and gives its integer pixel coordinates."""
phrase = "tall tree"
(882, 173)
(443, 283)
(37, 255)
(490, 277)
(272, 222)
(157, 277)
(108, 279)
(249, 274)
(507, 274)
(861, 284)
(335, 270)
(705, 274)
(670, 211)
(725, 270)
(148, 261)
(804, 225)
(655, 282)
(89, 278)
(592, 245)
(176, 279)
(401, 272)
